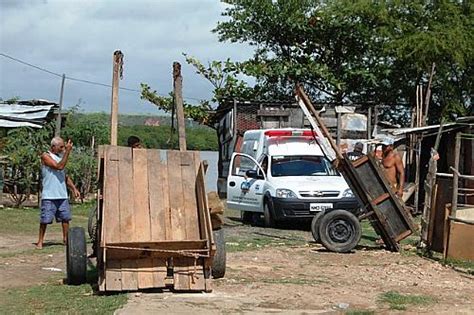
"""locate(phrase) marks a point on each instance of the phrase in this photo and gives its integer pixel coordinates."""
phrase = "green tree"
(360, 51)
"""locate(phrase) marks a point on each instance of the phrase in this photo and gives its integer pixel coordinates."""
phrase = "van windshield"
(301, 166)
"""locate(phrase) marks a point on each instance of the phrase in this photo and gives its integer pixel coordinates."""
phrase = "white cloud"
(78, 38)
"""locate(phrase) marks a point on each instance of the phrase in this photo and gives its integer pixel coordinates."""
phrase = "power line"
(79, 80)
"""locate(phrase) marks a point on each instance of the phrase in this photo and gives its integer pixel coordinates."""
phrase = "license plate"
(319, 206)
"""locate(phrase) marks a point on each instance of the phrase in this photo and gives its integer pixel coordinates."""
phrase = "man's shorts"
(55, 208)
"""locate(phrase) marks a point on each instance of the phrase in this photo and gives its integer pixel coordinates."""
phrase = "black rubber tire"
(268, 220)
(246, 217)
(339, 231)
(315, 225)
(219, 259)
(76, 256)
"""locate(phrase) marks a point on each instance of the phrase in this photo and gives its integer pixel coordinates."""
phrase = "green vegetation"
(360, 312)
(54, 298)
(398, 301)
(344, 51)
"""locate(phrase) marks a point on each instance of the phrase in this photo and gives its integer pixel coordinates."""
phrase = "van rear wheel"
(268, 220)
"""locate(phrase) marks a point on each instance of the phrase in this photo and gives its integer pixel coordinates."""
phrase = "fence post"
(117, 73)
(178, 101)
(57, 132)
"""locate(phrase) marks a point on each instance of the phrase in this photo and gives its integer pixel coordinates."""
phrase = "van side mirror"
(254, 174)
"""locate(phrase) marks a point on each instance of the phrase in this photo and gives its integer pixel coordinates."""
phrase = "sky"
(78, 38)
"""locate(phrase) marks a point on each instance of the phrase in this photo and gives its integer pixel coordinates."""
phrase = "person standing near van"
(54, 196)
(357, 152)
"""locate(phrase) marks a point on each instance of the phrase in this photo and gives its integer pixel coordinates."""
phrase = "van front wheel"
(268, 220)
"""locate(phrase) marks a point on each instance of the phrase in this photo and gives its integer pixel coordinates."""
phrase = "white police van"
(283, 174)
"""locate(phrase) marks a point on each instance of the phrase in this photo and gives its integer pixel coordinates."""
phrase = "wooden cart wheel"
(219, 259)
(315, 226)
(76, 256)
(340, 231)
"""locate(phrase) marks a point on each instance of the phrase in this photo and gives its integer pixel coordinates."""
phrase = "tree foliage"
(359, 51)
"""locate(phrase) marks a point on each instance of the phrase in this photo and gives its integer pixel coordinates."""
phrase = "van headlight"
(347, 193)
(285, 193)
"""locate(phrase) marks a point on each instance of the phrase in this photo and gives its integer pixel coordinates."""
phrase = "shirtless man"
(393, 165)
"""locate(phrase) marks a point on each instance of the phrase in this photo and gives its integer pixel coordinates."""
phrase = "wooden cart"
(380, 205)
(154, 225)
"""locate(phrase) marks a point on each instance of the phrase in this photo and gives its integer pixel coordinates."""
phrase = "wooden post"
(428, 94)
(338, 131)
(457, 151)
(57, 133)
(302, 95)
(117, 73)
(369, 123)
(178, 101)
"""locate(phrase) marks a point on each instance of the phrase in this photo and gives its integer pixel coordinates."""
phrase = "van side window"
(241, 165)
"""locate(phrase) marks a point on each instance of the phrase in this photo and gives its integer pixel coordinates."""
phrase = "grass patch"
(25, 221)
(58, 299)
(256, 242)
(398, 301)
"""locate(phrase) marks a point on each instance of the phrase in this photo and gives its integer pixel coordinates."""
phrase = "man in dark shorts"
(54, 196)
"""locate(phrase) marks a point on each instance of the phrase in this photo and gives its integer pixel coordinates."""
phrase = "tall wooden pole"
(117, 60)
(57, 133)
(178, 101)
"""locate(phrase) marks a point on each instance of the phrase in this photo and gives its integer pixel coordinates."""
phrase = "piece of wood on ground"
(461, 241)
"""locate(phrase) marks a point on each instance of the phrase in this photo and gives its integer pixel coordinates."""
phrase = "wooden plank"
(380, 198)
(188, 177)
(113, 276)
(145, 273)
(159, 273)
(188, 276)
(140, 188)
(176, 197)
(461, 245)
(157, 203)
(111, 196)
(129, 274)
(126, 203)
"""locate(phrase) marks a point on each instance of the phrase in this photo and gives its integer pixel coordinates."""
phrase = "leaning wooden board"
(384, 209)
(154, 216)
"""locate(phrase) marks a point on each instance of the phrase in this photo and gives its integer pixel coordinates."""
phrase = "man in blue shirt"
(54, 196)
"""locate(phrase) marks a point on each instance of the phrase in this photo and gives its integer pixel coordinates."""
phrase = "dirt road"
(282, 271)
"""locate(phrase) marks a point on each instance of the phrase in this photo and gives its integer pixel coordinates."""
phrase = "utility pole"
(116, 75)
(178, 101)
(57, 132)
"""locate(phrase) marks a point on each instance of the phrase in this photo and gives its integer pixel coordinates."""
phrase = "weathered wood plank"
(176, 196)
(145, 273)
(111, 196)
(127, 202)
(140, 188)
(156, 195)
(113, 276)
(460, 244)
(188, 177)
(187, 275)
(159, 272)
(129, 275)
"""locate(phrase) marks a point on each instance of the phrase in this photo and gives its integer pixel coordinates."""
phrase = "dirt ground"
(275, 271)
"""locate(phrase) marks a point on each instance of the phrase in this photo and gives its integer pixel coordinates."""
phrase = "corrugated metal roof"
(22, 115)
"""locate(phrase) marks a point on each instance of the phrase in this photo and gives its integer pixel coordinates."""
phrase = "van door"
(245, 184)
